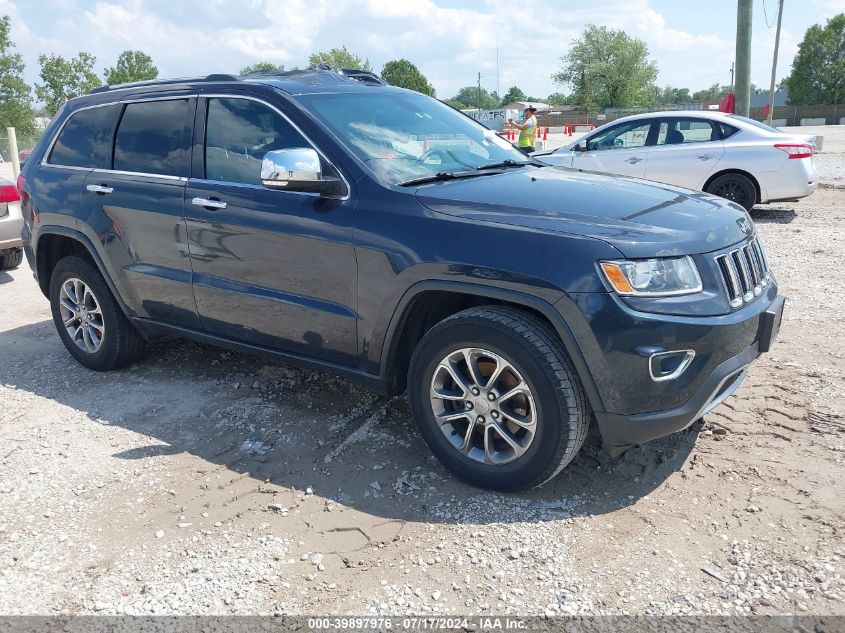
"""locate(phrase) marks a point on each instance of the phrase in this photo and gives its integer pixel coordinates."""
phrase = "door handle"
(634, 160)
(101, 189)
(209, 203)
(704, 157)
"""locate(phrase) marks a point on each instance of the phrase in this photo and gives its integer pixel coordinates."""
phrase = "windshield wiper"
(510, 162)
(440, 176)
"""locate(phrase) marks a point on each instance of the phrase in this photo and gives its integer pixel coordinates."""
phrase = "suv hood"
(639, 218)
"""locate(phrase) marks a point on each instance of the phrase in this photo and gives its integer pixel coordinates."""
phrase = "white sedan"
(724, 154)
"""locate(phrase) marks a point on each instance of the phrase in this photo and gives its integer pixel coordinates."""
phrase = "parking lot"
(208, 482)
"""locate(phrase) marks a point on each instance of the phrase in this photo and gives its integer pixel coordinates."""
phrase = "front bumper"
(620, 343)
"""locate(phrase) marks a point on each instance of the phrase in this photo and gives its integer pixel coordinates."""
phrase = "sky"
(450, 41)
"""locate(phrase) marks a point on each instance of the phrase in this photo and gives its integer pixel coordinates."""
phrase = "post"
(774, 66)
(743, 56)
(13, 150)
(479, 92)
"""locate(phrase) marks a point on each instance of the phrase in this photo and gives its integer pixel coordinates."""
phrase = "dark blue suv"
(322, 217)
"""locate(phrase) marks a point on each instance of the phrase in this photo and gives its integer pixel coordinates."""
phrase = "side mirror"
(582, 145)
(297, 169)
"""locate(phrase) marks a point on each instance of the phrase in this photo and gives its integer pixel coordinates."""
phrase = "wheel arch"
(734, 170)
(57, 242)
(429, 302)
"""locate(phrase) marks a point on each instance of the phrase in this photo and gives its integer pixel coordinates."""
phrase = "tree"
(340, 58)
(558, 99)
(15, 93)
(818, 70)
(456, 104)
(672, 95)
(712, 93)
(513, 94)
(262, 67)
(402, 73)
(131, 66)
(472, 97)
(608, 69)
(65, 78)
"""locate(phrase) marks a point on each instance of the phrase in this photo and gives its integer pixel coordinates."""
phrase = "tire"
(11, 260)
(119, 342)
(554, 398)
(736, 188)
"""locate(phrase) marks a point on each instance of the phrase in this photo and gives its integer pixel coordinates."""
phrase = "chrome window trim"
(215, 95)
(101, 170)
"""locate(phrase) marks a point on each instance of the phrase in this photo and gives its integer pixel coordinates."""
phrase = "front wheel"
(736, 188)
(89, 321)
(496, 398)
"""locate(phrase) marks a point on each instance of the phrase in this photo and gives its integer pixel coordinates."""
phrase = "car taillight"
(795, 150)
(23, 196)
(9, 193)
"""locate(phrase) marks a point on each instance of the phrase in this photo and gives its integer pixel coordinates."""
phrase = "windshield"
(758, 124)
(403, 137)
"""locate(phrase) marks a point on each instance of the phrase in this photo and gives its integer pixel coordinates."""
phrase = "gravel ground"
(206, 482)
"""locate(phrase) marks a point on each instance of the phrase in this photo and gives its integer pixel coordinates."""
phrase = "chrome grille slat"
(744, 272)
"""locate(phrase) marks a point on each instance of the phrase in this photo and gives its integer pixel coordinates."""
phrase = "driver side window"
(626, 136)
(238, 133)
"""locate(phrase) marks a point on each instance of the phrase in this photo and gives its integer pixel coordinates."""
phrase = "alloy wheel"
(81, 315)
(483, 406)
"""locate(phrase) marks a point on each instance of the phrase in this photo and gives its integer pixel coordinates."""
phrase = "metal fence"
(781, 116)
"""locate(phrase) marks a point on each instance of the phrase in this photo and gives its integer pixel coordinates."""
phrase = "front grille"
(745, 272)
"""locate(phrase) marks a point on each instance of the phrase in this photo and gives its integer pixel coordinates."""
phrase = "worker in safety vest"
(527, 130)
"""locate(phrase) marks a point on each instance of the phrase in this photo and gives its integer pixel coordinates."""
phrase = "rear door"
(272, 268)
(685, 151)
(620, 149)
(134, 209)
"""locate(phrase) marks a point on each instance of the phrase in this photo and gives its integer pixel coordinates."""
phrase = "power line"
(766, 15)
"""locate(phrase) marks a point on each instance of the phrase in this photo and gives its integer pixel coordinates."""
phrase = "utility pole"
(774, 66)
(732, 77)
(498, 94)
(743, 56)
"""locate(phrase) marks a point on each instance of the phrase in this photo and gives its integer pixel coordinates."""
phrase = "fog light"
(669, 365)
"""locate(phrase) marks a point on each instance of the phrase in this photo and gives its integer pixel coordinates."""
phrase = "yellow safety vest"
(526, 137)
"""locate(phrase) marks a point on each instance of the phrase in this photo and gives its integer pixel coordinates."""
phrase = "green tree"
(262, 67)
(340, 58)
(456, 104)
(608, 69)
(402, 73)
(672, 95)
(131, 66)
(65, 78)
(711, 94)
(558, 98)
(472, 97)
(15, 93)
(818, 70)
(513, 94)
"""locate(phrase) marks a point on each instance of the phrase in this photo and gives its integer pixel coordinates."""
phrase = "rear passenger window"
(85, 140)
(680, 131)
(727, 130)
(153, 138)
(238, 134)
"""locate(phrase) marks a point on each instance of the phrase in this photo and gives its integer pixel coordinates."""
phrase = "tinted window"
(680, 131)
(627, 135)
(85, 140)
(153, 137)
(238, 134)
(727, 130)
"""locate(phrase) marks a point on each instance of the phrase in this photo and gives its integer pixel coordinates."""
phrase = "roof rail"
(221, 77)
(164, 82)
(364, 76)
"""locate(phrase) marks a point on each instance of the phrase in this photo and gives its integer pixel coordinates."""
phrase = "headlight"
(653, 277)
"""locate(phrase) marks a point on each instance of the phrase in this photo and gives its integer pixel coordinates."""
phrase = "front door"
(271, 268)
(621, 149)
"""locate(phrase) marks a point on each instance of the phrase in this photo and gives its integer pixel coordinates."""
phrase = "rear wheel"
(11, 259)
(736, 188)
(496, 399)
(89, 321)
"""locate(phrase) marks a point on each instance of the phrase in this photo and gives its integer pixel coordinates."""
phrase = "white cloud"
(450, 44)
